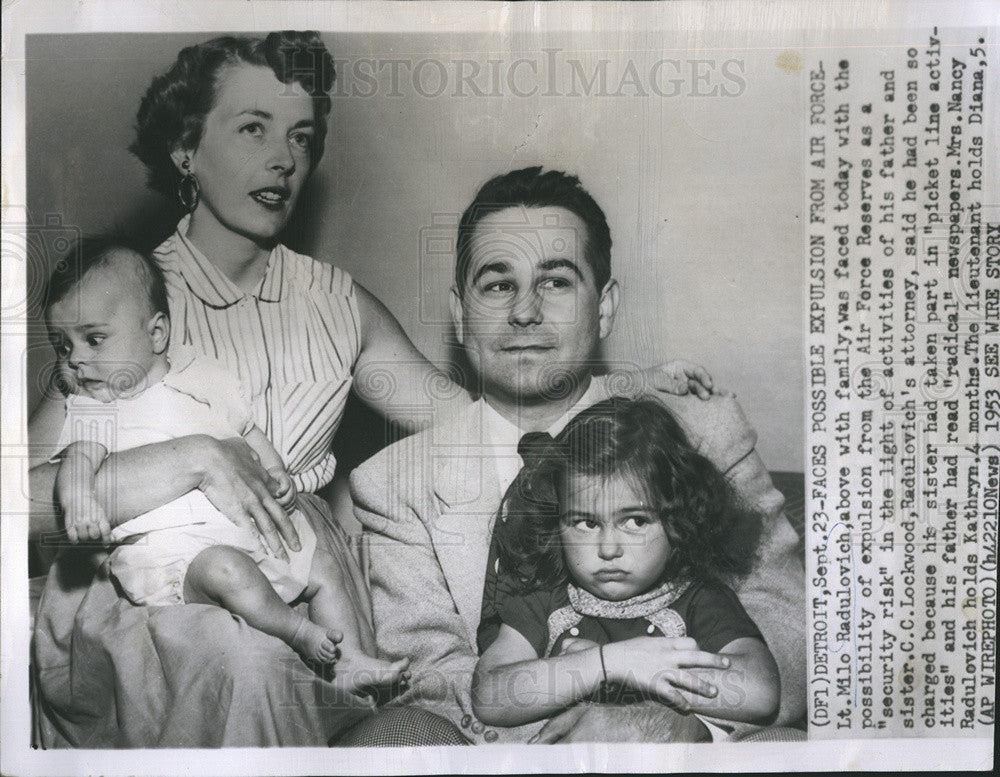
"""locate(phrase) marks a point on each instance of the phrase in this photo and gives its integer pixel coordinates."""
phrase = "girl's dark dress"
(711, 615)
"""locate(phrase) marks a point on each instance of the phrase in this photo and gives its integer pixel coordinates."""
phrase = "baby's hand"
(681, 377)
(658, 665)
(86, 521)
(284, 492)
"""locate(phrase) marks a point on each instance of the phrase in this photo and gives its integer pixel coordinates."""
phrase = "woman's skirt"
(113, 675)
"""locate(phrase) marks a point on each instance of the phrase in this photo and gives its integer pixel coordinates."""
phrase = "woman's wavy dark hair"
(712, 536)
(172, 113)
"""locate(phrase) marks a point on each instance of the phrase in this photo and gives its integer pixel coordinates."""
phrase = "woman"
(231, 132)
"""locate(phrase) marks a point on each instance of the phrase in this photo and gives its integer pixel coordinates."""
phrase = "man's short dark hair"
(532, 188)
(92, 252)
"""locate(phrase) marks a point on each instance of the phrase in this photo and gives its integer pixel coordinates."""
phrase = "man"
(533, 299)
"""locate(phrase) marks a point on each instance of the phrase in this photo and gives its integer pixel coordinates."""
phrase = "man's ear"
(457, 313)
(608, 306)
(159, 332)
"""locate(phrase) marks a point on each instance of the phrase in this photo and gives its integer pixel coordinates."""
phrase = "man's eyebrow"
(497, 267)
(60, 331)
(557, 264)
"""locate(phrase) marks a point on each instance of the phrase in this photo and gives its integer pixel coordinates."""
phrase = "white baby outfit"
(154, 550)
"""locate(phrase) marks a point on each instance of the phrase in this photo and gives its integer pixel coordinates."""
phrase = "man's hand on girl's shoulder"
(680, 377)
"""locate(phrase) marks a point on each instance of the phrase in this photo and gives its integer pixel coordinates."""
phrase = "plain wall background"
(703, 194)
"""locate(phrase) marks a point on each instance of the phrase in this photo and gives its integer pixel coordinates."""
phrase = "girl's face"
(254, 155)
(614, 544)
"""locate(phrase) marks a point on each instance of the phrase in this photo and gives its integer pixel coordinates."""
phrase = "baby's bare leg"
(228, 577)
(331, 607)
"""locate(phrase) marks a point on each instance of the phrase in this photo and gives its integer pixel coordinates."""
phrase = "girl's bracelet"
(604, 669)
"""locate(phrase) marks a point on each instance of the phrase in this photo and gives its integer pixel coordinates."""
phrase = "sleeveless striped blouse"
(293, 344)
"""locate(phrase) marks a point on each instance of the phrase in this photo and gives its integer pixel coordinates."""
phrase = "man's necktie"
(533, 445)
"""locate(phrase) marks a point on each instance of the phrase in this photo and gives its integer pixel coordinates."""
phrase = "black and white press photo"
(499, 386)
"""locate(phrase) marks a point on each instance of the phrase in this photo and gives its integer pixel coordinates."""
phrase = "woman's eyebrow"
(255, 112)
(267, 116)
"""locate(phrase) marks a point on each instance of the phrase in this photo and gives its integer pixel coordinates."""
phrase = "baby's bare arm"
(282, 489)
(75, 490)
(269, 456)
(141, 479)
(127, 484)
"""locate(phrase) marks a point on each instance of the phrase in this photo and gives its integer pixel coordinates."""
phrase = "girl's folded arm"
(749, 690)
(512, 685)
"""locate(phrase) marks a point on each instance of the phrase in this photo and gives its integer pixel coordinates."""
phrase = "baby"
(615, 543)
(108, 321)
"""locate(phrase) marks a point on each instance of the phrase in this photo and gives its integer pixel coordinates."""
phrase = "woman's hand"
(658, 665)
(234, 481)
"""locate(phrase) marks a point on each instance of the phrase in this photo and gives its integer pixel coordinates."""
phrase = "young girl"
(613, 546)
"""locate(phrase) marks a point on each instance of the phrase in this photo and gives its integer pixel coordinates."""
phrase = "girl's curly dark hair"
(712, 536)
(172, 113)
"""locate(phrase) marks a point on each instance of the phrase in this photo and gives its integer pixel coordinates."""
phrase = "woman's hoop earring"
(188, 192)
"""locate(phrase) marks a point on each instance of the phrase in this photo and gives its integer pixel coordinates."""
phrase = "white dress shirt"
(503, 435)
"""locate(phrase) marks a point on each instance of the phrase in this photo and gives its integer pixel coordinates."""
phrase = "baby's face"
(102, 333)
(614, 544)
